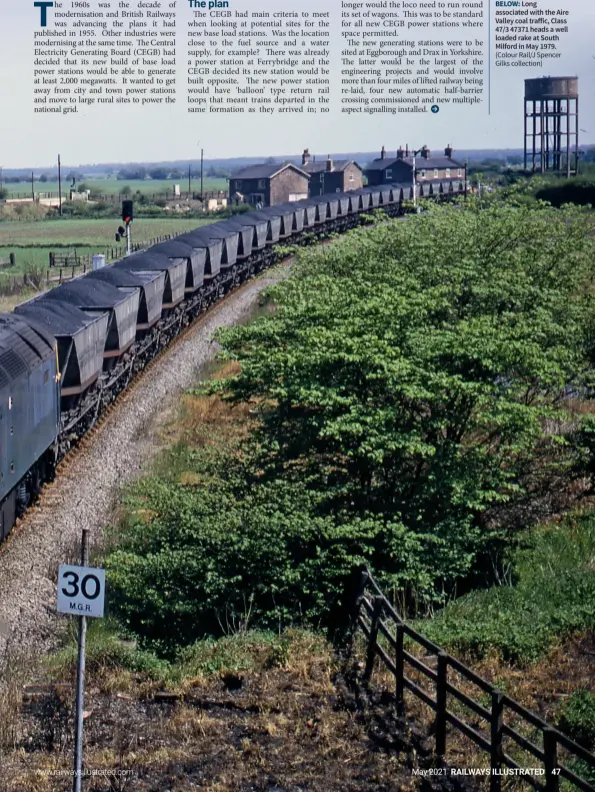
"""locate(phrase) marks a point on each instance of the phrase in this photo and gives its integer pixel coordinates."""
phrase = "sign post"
(81, 592)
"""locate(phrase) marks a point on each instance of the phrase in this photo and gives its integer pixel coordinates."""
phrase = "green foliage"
(215, 559)
(107, 650)
(579, 191)
(410, 390)
(553, 596)
(408, 372)
(577, 718)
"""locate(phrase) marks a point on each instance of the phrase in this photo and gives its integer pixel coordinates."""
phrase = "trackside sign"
(81, 590)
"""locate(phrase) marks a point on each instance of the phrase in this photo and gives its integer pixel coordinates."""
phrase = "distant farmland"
(115, 186)
(31, 242)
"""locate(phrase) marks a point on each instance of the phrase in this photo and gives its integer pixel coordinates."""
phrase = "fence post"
(60, 279)
(441, 704)
(550, 752)
(400, 672)
(51, 259)
(496, 740)
(371, 655)
(11, 258)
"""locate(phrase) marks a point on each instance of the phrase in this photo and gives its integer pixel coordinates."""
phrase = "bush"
(107, 651)
(576, 191)
(577, 718)
(402, 387)
(553, 596)
(220, 558)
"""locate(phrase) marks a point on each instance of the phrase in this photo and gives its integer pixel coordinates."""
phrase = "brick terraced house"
(328, 176)
(268, 184)
(428, 168)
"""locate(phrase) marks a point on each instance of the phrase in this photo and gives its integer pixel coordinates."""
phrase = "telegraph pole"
(414, 155)
(59, 186)
(32, 188)
(201, 176)
(189, 182)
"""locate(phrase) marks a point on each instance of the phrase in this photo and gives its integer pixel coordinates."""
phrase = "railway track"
(89, 478)
(67, 464)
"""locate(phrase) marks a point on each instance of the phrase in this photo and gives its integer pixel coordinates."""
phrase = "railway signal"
(81, 592)
(127, 217)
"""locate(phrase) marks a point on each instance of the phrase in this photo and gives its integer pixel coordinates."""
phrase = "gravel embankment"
(85, 494)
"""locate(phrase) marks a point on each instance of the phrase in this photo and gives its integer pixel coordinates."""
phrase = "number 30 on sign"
(81, 590)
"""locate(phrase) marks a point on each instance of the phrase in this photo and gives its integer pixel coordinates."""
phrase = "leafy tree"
(159, 173)
(126, 190)
(411, 390)
(409, 371)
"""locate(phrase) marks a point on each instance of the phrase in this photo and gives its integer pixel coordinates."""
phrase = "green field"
(31, 242)
(113, 186)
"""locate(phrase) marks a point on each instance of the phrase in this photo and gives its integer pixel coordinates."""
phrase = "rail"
(372, 611)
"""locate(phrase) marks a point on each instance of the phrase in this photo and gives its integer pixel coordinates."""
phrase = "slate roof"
(338, 165)
(420, 163)
(265, 171)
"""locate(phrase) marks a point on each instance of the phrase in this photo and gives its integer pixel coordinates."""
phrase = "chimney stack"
(448, 151)
(383, 153)
(305, 157)
(329, 163)
(406, 149)
(425, 152)
(400, 153)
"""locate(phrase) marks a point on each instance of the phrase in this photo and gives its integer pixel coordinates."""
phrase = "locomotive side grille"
(13, 364)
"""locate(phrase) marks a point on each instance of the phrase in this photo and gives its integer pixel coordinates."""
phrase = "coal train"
(68, 353)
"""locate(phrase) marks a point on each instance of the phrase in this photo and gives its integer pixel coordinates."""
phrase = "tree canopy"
(421, 392)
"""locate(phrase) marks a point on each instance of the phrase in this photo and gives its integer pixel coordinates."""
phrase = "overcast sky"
(123, 133)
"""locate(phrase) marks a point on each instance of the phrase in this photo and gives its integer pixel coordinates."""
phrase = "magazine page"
(296, 395)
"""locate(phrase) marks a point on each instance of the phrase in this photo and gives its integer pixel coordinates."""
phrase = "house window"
(351, 177)
(435, 173)
(389, 174)
(460, 172)
(448, 173)
(237, 185)
(422, 174)
(261, 184)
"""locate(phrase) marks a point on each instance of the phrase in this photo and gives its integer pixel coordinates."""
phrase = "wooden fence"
(372, 611)
(117, 198)
(73, 259)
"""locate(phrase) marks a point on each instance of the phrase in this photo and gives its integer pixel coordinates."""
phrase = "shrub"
(577, 718)
(553, 596)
